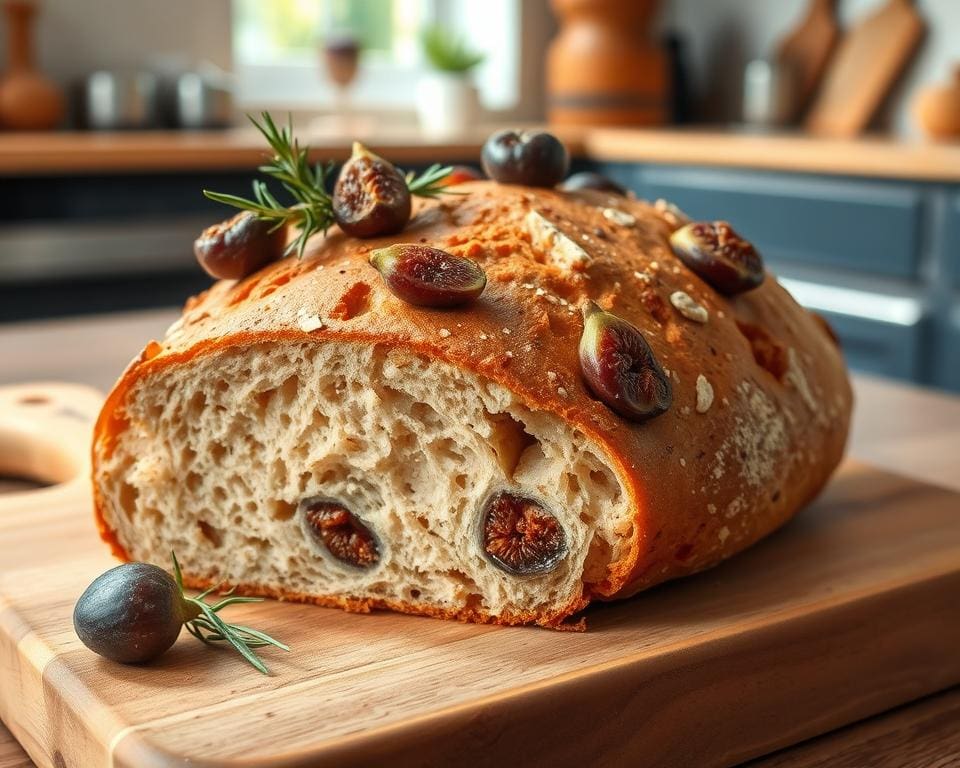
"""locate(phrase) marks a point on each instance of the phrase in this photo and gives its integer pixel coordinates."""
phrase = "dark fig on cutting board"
(370, 197)
(429, 277)
(536, 159)
(718, 255)
(620, 368)
(132, 613)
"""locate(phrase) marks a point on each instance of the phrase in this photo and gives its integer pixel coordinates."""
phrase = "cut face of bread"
(357, 475)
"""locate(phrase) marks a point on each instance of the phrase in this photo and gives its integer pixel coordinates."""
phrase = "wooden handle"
(45, 432)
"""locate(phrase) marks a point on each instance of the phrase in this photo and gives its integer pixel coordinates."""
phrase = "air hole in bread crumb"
(282, 510)
(128, 499)
(509, 439)
(193, 481)
(414, 594)
(290, 389)
(599, 555)
(770, 354)
(601, 479)
(262, 400)
(210, 533)
(217, 451)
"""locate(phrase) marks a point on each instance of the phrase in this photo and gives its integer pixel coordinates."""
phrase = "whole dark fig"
(132, 613)
(536, 159)
(370, 197)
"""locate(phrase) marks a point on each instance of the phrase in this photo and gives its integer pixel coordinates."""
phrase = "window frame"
(299, 82)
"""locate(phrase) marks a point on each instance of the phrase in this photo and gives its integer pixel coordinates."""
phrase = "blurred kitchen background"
(827, 131)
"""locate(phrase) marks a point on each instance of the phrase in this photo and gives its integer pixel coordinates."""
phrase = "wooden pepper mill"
(603, 68)
(28, 101)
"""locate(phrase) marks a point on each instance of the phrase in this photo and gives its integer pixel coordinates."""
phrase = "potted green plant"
(447, 100)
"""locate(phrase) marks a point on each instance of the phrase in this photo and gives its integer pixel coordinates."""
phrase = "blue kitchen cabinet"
(862, 226)
(951, 239)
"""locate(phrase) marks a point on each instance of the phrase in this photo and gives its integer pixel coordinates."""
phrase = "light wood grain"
(888, 417)
(869, 156)
(796, 632)
(78, 153)
(925, 734)
(867, 63)
(70, 152)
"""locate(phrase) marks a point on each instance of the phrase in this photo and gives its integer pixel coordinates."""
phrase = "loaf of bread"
(304, 433)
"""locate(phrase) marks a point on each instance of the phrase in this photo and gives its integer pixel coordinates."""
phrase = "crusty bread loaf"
(310, 380)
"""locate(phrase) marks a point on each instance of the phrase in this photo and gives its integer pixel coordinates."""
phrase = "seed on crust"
(688, 307)
(520, 537)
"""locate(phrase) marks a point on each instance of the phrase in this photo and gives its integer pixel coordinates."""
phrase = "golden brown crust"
(703, 485)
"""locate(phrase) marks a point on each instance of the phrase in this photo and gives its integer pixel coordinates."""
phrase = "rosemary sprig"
(209, 628)
(431, 183)
(312, 209)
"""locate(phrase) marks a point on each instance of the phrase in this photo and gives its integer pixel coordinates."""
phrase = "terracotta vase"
(603, 68)
(28, 101)
(937, 109)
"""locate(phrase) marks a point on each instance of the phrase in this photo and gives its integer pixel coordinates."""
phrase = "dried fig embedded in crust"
(370, 197)
(239, 246)
(429, 277)
(719, 256)
(620, 368)
(592, 180)
(520, 537)
(340, 532)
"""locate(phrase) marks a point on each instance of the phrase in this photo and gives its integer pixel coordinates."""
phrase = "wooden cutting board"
(805, 51)
(864, 68)
(850, 610)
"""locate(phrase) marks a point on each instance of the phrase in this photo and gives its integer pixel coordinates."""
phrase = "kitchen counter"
(900, 428)
(82, 153)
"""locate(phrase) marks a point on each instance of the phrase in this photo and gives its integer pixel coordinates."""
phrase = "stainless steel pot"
(121, 100)
(200, 101)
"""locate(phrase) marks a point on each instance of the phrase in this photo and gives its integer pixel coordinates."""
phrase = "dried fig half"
(340, 532)
(429, 277)
(370, 197)
(520, 536)
(239, 246)
(719, 256)
(620, 368)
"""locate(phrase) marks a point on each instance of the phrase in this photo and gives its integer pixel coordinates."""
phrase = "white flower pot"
(447, 104)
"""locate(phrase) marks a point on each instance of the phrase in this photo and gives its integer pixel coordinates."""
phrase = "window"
(277, 49)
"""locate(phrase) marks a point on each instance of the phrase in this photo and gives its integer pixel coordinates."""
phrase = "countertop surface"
(64, 153)
(897, 427)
